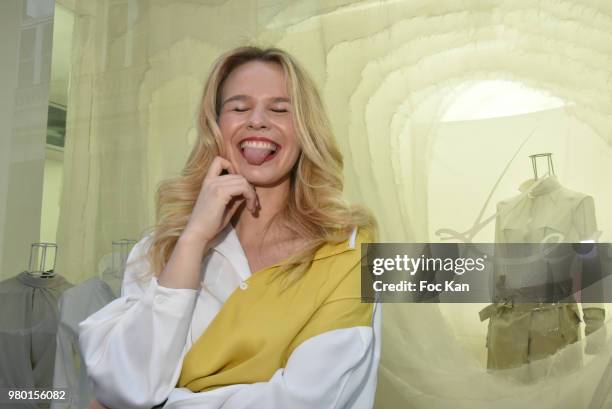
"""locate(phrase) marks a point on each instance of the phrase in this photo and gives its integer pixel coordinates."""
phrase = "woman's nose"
(257, 118)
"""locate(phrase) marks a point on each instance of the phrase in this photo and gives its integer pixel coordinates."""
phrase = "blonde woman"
(247, 293)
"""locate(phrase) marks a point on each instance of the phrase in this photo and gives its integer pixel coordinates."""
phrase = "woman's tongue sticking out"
(256, 155)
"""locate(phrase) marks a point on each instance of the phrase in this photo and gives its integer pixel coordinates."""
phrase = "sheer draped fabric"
(388, 73)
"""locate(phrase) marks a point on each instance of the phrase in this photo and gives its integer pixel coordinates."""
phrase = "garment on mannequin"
(524, 330)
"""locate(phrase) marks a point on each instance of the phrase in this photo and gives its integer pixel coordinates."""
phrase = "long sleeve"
(333, 370)
(584, 219)
(133, 348)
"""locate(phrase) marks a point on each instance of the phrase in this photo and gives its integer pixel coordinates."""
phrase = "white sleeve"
(334, 370)
(134, 346)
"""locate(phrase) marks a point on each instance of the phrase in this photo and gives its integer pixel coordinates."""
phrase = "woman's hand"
(219, 198)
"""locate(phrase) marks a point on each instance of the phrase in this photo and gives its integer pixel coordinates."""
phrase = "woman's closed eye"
(245, 109)
(280, 107)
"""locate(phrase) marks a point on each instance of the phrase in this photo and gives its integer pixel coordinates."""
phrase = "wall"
(26, 32)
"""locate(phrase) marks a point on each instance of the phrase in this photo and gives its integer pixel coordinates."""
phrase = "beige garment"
(520, 332)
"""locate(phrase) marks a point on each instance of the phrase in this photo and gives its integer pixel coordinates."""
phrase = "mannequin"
(526, 329)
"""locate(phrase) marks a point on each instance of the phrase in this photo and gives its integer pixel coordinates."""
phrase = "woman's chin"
(263, 177)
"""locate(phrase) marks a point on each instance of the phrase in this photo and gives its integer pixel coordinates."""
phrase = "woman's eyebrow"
(239, 97)
(242, 97)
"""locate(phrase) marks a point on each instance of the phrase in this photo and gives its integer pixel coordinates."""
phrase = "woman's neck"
(272, 199)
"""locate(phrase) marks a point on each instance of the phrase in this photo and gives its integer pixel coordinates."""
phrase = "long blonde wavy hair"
(315, 211)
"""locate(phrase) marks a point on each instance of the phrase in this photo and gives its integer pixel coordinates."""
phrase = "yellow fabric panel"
(256, 330)
(336, 314)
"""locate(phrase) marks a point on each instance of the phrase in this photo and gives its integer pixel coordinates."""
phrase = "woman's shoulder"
(364, 234)
(357, 237)
(338, 265)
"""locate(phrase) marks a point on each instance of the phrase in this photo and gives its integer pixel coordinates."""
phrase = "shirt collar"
(227, 244)
(540, 187)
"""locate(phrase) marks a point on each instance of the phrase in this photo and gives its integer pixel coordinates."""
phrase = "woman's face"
(256, 121)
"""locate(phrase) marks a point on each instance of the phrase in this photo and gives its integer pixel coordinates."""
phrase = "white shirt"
(545, 212)
(134, 347)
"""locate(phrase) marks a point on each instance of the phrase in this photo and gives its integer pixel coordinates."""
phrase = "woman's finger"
(228, 178)
(217, 166)
(236, 188)
(231, 208)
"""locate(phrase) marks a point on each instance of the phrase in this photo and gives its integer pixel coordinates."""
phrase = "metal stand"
(549, 162)
(37, 265)
(121, 250)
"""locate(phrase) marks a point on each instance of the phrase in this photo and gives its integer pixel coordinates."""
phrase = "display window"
(305, 204)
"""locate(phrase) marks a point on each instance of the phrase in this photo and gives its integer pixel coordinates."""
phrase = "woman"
(247, 293)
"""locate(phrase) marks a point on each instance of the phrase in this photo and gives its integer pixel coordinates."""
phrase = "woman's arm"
(134, 346)
(331, 363)
(219, 198)
(336, 369)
